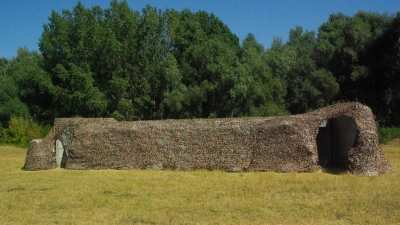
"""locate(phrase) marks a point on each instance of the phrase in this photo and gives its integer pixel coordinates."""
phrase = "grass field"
(196, 197)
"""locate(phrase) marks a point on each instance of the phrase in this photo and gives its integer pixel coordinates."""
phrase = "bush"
(45, 130)
(117, 115)
(388, 133)
(20, 132)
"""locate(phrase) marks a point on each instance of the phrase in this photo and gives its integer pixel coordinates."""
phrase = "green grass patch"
(62, 196)
(388, 133)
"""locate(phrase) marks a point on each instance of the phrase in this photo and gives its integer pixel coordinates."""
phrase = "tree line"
(159, 64)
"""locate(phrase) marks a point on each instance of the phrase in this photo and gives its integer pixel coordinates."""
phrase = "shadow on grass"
(335, 170)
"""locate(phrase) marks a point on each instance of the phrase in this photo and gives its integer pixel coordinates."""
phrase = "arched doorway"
(335, 138)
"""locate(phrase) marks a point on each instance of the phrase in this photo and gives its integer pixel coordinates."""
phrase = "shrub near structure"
(342, 135)
(388, 133)
(20, 131)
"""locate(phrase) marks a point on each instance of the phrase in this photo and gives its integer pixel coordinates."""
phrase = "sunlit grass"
(195, 197)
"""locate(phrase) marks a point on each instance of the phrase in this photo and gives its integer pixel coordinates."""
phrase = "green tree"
(70, 45)
(3, 66)
(152, 49)
(381, 84)
(20, 131)
(10, 104)
(206, 53)
(258, 91)
(340, 46)
(34, 84)
(119, 52)
(174, 101)
(308, 87)
(76, 94)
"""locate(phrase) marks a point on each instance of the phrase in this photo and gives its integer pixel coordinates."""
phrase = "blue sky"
(21, 21)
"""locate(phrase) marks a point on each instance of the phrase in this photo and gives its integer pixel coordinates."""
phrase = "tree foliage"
(362, 54)
(153, 64)
(20, 131)
(159, 64)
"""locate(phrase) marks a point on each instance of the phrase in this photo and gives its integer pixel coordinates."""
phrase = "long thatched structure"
(342, 136)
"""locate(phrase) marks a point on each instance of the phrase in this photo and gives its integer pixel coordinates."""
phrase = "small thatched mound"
(342, 135)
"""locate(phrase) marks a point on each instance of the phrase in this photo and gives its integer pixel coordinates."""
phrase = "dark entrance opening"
(335, 138)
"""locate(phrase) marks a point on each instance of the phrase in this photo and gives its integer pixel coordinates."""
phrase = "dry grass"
(196, 197)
